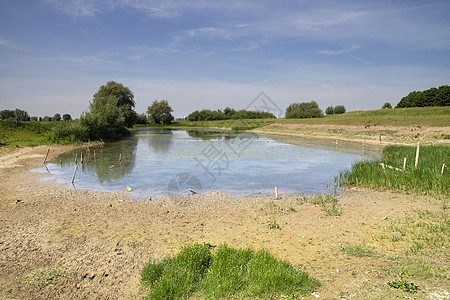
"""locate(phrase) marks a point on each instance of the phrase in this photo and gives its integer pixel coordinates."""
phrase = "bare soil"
(105, 239)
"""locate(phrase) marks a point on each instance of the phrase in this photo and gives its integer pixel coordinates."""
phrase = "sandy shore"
(104, 239)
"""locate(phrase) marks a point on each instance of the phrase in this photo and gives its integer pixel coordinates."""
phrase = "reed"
(426, 179)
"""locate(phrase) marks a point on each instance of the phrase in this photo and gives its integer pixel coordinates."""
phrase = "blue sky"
(55, 54)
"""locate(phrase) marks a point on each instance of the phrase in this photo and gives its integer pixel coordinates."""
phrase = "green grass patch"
(25, 134)
(404, 285)
(358, 250)
(227, 273)
(425, 179)
(327, 201)
(426, 232)
(43, 277)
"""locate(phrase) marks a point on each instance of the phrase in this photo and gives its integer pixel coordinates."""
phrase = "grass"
(327, 201)
(426, 232)
(358, 250)
(227, 273)
(426, 179)
(27, 134)
(45, 277)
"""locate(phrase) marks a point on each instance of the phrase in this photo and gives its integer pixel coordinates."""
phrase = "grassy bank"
(26, 134)
(427, 178)
(225, 273)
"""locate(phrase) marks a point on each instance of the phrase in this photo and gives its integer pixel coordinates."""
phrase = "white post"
(417, 155)
(404, 164)
(276, 193)
(74, 172)
(442, 171)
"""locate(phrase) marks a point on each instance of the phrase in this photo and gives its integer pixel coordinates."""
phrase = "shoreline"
(104, 239)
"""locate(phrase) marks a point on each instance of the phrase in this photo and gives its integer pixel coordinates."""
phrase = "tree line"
(228, 114)
(431, 97)
(22, 115)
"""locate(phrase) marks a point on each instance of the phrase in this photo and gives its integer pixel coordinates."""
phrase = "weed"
(45, 276)
(328, 202)
(404, 285)
(273, 224)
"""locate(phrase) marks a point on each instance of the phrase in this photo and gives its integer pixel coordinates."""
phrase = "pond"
(156, 162)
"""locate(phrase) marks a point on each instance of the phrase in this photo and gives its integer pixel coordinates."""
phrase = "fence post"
(417, 155)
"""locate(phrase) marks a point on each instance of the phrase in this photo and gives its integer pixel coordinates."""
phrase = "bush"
(70, 131)
(303, 110)
(339, 109)
(329, 110)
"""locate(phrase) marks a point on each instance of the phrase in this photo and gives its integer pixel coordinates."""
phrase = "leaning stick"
(45, 159)
(74, 172)
(442, 171)
(276, 193)
(404, 164)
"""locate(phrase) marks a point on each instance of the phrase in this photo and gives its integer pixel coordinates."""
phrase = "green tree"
(7, 114)
(160, 112)
(339, 109)
(329, 110)
(47, 119)
(122, 97)
(303, 110)
(66, 117)
(56, 117)
(430, 97)
(386, 105)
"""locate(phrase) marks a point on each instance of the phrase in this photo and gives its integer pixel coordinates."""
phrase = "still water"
(157, 162)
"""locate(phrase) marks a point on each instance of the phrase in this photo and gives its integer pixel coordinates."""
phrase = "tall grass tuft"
(425, 179)
(228, 273)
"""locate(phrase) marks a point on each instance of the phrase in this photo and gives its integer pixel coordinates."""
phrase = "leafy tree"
(386, 105)
(66, 117)
(430, 97)
(329, 110)
(339, 109)
(122, 97)
(47, 119)
(34, 119)
(7, 114)
(105, 120)
(303, 110)
(228, 114)
(141, 119)
(160, 112)
(56, 117)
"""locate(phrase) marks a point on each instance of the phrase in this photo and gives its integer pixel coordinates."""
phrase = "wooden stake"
(45, 159)
(380, 138)
(94, 153)
(120, 157)
(404, 164)
(276, 193)
(442, 171)
(74, 172)
(76, 157)
(417, 155)
(81, 160)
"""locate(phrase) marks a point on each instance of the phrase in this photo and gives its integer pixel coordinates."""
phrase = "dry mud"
(104, 239)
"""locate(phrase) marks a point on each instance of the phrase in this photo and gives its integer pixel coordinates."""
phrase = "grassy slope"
(27, 134)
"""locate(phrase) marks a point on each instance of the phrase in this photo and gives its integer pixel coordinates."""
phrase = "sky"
(55, 54)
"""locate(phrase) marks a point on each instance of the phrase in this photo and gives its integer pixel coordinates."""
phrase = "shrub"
(303, 110)
(339, 109)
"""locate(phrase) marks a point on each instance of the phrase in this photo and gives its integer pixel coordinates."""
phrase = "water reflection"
(171, 162)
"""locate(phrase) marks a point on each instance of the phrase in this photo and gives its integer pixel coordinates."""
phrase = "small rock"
(19, 201)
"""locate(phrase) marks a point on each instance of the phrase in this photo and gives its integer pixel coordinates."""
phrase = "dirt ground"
(104, 239)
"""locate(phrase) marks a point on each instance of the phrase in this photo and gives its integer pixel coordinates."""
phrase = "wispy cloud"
(339, 52)
(8, 44)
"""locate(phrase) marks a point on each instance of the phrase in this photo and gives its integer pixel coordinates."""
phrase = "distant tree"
(122, 97)
(160, 112)
(141, 119)
(34, 119)
(47, 119)
(430, 97)
(303, 110)
(386, 105)
(66, 117)
(339, 109)
(56, 117)
(329, 110)
(7, 114)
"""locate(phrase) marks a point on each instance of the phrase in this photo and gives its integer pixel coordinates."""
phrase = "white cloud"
(339, 52)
